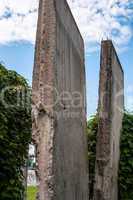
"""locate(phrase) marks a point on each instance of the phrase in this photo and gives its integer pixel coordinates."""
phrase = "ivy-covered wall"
(15, 133)
(126, 157)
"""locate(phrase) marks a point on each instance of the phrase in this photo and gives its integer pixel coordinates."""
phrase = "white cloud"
(97, 19)
(101, 19)
(18, 20)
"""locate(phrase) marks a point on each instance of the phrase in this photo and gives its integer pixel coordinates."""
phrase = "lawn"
(31, 193)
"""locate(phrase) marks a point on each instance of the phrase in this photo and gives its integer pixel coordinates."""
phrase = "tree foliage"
(15, 133)
(92, 127)
(126, 159)
(126, 156)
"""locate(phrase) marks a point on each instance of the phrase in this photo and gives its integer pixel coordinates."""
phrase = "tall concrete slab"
(111, 106)
(59, 105)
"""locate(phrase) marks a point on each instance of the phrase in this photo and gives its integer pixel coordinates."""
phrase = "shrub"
(31, 193)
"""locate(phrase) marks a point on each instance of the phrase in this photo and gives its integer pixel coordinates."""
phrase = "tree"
(126, 159)
(92, 128)
(126, 156)
(15, 133)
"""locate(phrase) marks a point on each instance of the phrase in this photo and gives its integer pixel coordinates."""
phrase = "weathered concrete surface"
(59, 106)
(111, 105)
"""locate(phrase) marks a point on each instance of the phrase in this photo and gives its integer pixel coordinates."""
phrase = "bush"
(31, 193)
(15, 133)
(126, 157)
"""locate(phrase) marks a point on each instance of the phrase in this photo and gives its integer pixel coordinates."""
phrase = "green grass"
(31, 193)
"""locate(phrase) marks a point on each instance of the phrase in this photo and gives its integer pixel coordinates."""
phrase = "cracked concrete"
(59, 105)
(111, 107)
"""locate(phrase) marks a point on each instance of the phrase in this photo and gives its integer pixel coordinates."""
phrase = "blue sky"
(97, 20)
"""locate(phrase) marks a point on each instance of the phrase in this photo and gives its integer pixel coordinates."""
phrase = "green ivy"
(126, 159)
(15, 133)
(92, 127)
(126, 156)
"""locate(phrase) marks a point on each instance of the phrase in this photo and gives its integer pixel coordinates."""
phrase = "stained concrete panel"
(111, 106)
(59, 105)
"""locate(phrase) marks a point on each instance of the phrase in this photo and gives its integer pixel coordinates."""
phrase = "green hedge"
(15, 133)
(126, 157)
